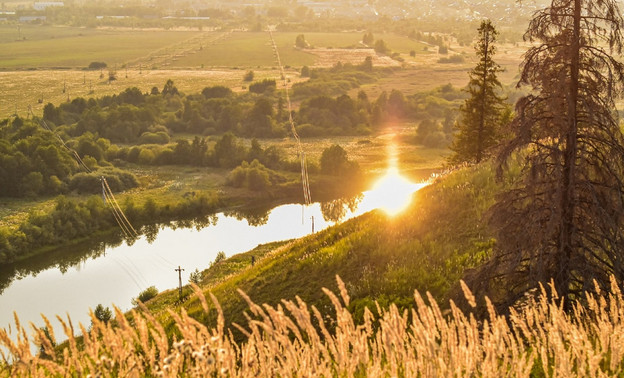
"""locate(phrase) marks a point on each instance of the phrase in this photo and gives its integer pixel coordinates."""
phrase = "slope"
(383, 259)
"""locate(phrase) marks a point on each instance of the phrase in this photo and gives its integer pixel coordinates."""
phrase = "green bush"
(249, 76)
(145, 295)
(159, 137)
(103, 314)
(254, 176)
(263, 86)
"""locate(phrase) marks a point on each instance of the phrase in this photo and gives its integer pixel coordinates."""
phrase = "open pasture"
(36, 46)
(19, 89)
(66, 47)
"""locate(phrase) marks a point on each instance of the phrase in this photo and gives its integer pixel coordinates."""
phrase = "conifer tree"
(564, 219)
(479, 125)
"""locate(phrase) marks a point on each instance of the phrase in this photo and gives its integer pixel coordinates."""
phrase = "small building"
(42, 5)
(32, 18)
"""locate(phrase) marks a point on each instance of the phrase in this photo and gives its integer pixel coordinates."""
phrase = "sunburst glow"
(393, 192)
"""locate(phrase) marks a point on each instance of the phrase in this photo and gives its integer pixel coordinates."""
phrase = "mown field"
(34, 46)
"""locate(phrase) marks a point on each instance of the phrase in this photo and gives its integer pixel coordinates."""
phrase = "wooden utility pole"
(179, 270)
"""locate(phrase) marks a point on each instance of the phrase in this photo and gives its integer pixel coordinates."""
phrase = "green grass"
(378, 257)
(249, 50)
(70, 47)
(46, 46)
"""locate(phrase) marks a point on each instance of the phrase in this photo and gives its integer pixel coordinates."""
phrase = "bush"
(334, 162)
(159, 137)
(452, 59)
(220, 257)
(97, 65)
(91, 182)
(195, 277)
(145, 295)
(263, 86)
(254, 176)
(249, 76)
(219, 91)
(103, 314)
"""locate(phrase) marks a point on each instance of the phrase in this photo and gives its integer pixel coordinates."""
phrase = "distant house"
(32, 18)
(42, 5)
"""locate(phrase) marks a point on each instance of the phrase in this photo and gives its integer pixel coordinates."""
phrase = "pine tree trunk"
(569, 168)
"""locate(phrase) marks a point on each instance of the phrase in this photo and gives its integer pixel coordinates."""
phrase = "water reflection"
(255, 216)
(336, 210)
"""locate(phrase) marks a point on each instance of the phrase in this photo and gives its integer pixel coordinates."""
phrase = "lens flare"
(393, 192)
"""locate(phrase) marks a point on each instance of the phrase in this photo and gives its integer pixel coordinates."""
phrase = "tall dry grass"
(292, 339)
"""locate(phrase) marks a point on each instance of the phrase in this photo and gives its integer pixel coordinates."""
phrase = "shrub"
(97, 65)
(249, 76)
(103, 314)
(263, 86)
(452, 59)
(159, 137)
(334, 162)
(254, 176)
(145, 295)
(220, 257)
(195, 277)
(218, 91)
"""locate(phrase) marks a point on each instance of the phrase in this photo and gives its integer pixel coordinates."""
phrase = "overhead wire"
(121, 217)
(129, 274)
(304, 167)
(107, 193)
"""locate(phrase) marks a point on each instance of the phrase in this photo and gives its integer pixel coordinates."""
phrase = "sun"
(393, 192)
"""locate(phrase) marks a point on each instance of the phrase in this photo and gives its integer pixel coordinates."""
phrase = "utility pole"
(312, 223)
(179, 270)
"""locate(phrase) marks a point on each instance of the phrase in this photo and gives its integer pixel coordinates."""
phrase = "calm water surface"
(72, 280)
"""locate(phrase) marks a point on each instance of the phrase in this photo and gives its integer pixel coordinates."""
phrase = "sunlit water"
(115, 274)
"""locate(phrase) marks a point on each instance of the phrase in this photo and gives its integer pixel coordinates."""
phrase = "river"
(111, 271)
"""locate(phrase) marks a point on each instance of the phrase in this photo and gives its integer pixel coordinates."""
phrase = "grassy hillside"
(379, 258)
(321, 337)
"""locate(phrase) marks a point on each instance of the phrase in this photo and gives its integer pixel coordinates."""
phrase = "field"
(23, 88)
(44, 64)
(33, 46)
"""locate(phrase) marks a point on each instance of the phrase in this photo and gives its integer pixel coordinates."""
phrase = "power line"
(304, 166)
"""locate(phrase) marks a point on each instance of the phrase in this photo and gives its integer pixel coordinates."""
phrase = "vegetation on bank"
(72, 220)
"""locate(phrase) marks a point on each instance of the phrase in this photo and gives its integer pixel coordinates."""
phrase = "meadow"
(35, 46)
(293, 339)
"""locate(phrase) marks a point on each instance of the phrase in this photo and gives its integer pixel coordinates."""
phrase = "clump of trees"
(254, 176)
(335, 162)
(300, 42)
